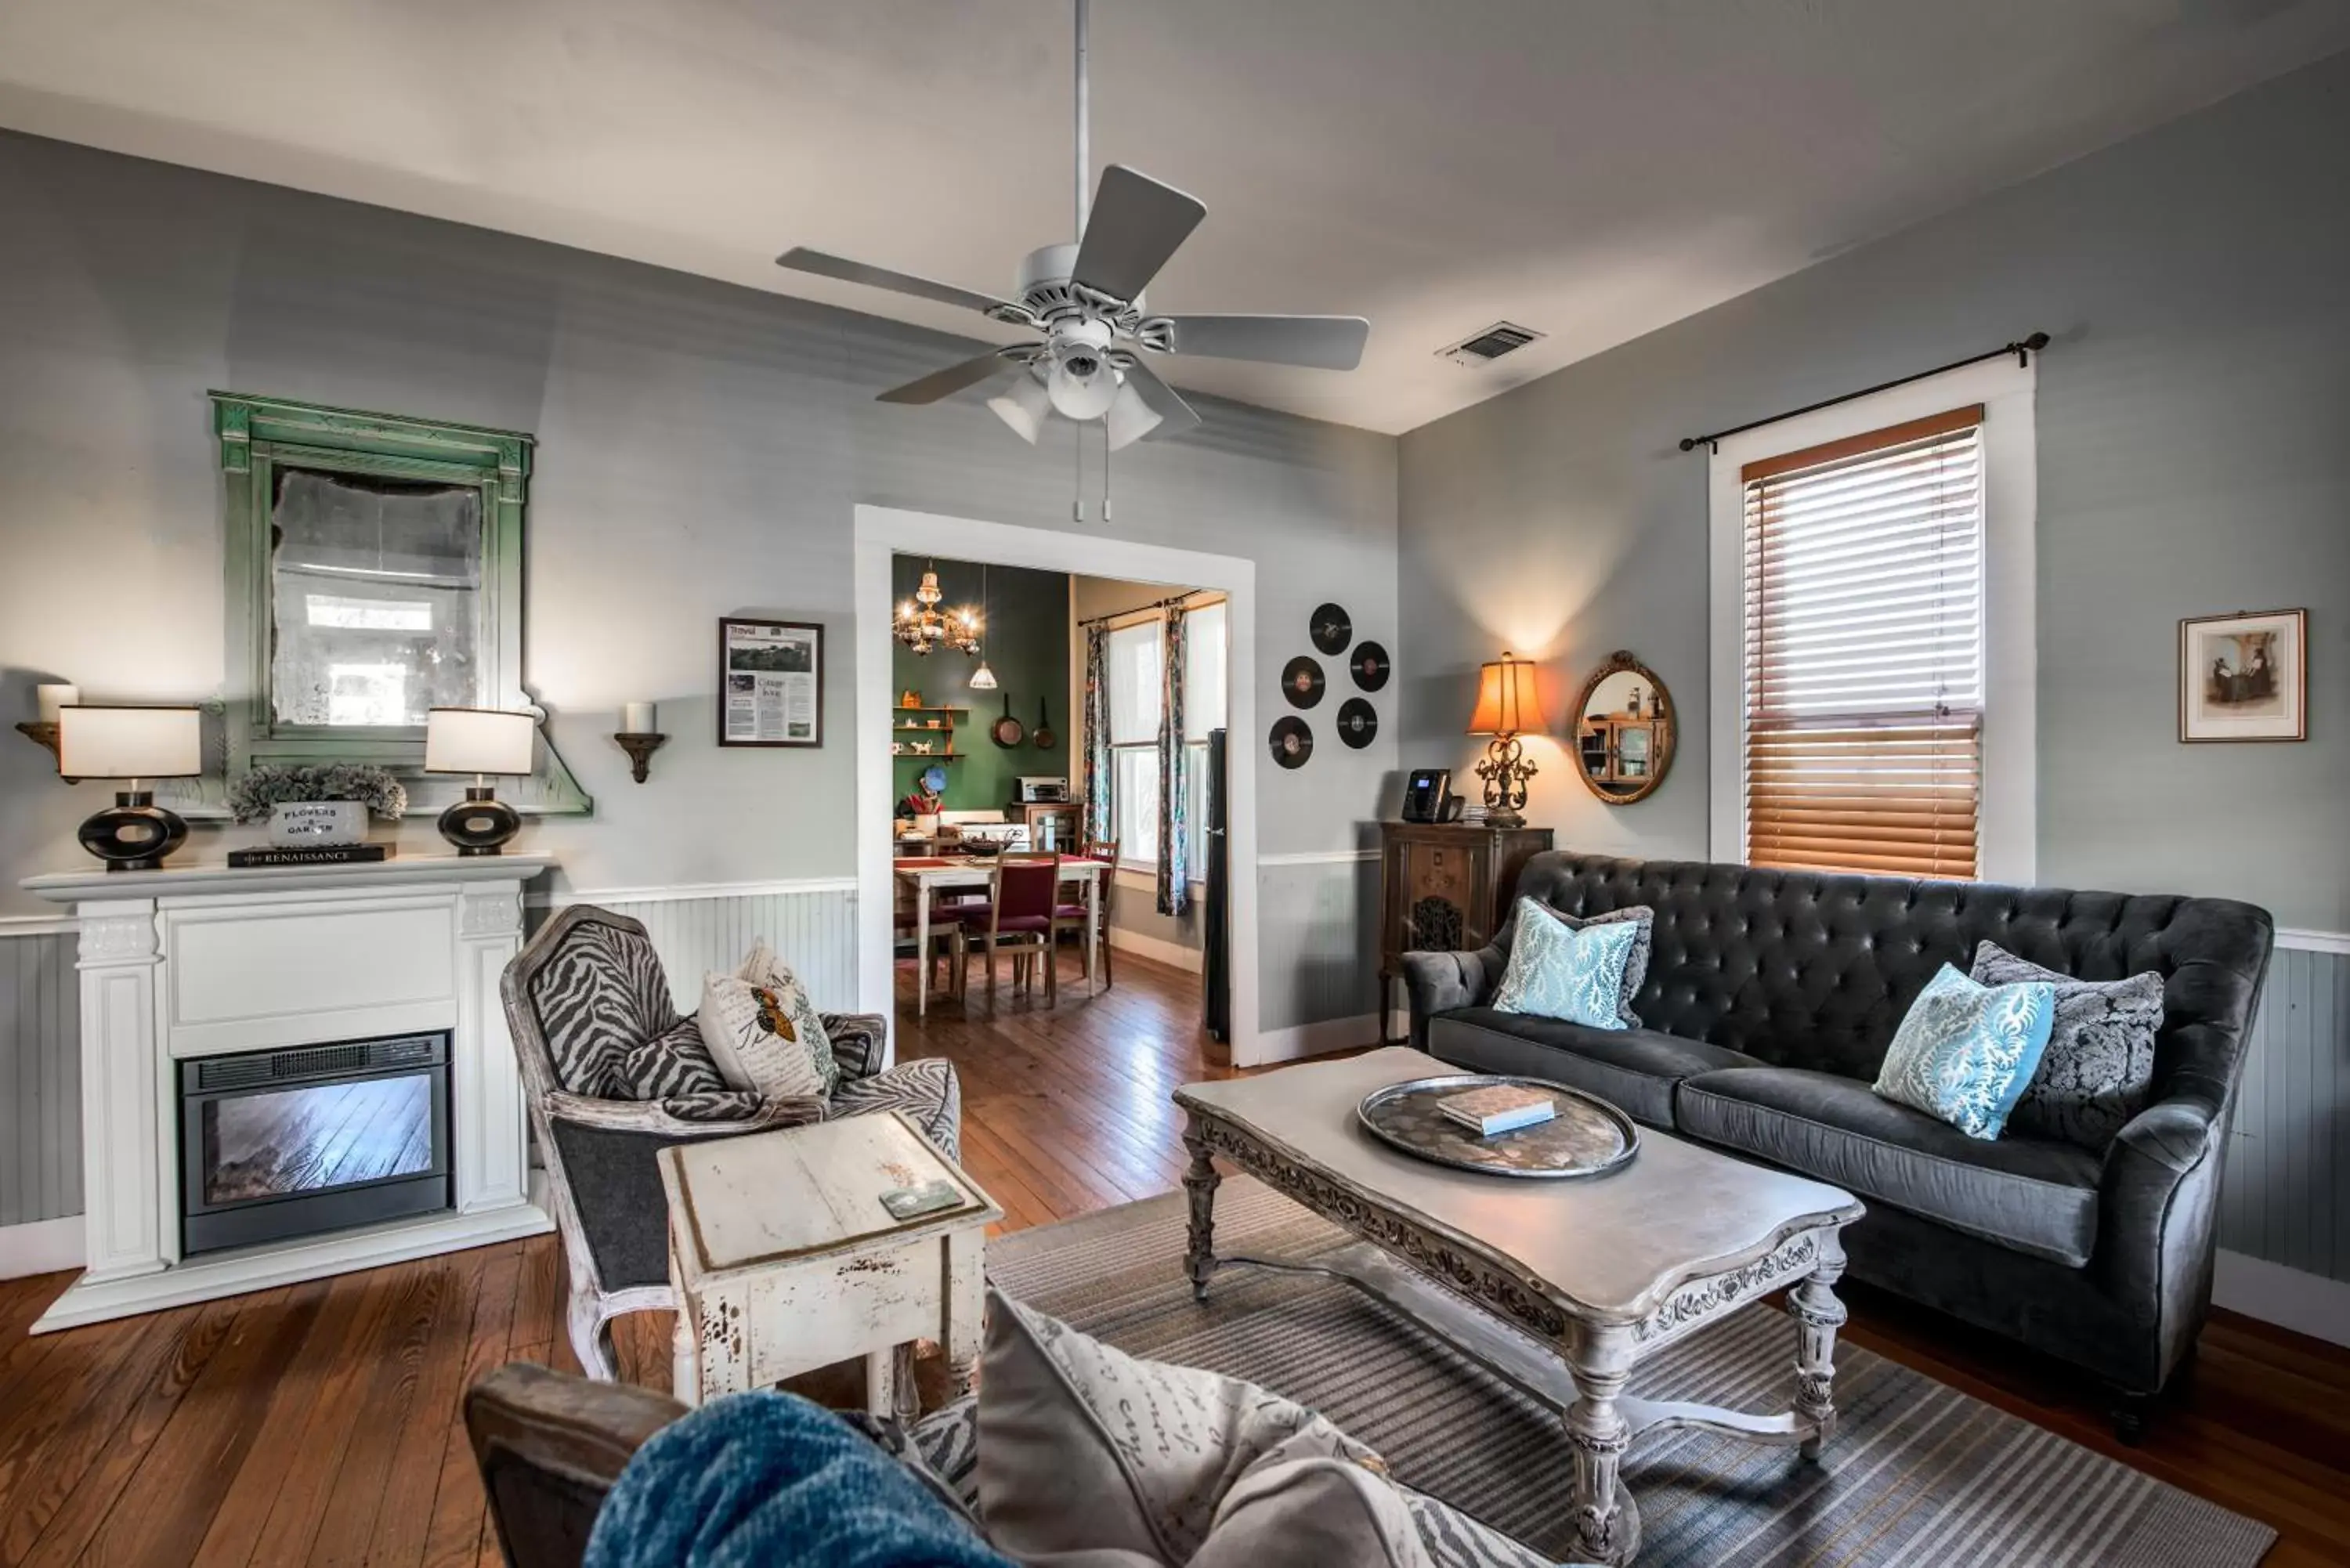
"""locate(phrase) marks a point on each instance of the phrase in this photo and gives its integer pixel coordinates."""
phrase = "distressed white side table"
(784, 1260)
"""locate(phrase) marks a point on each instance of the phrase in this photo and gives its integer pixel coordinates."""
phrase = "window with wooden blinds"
(1864, 651)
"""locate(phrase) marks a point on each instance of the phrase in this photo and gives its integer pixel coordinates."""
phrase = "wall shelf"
(927, 757)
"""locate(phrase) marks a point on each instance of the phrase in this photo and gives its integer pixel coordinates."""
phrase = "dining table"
(926, 875)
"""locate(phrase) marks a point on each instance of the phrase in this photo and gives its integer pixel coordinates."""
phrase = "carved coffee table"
(1561, 1287)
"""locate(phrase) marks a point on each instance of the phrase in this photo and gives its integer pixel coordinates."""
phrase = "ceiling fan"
(1086, 299)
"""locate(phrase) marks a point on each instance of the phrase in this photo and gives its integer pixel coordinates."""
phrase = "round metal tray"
(1589, 1137)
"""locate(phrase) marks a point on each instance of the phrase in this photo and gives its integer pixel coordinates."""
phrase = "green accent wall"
(1025, 641)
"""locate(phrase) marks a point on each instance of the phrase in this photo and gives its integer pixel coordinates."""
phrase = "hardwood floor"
(319, 1423)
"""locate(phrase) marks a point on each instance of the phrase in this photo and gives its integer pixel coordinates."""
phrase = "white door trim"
(882, 532)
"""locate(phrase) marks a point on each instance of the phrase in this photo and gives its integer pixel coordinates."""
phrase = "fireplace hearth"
(283, 1144)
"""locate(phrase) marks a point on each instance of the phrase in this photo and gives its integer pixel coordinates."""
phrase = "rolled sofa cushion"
(2099, 1066)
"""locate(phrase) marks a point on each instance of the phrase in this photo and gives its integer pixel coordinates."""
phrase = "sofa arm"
(649, 1116)
(2157, 1223)
(1439, 982)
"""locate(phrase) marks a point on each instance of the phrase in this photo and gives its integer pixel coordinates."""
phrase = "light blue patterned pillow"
(1966, 1052)
(1574, 976)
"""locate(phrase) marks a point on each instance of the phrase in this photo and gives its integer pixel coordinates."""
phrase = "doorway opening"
(988, 657)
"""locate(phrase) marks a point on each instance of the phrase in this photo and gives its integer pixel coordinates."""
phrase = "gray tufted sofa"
(1770, 999)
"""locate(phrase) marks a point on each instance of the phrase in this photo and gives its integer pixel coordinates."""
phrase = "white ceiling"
(1593, 169)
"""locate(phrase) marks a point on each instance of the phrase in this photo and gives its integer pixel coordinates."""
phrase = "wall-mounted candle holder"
(640, 749)
(44, 735)
(52, 697)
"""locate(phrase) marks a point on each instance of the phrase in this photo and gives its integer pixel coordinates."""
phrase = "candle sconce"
(640, 749)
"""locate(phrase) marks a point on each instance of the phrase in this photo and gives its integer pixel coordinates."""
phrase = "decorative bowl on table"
(1586, 1135)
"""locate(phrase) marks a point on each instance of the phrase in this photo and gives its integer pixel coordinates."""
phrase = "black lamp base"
(480, 823)
(134, 834)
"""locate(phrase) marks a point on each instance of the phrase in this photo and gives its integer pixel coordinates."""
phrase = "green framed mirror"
(375, 570)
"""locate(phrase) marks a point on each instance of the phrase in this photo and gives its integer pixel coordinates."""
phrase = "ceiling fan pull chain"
(1106, 450)
(1077, 451)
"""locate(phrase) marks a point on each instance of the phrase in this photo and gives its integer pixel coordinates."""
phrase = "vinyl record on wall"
(1359, 722)
(1331, 628)
(1371, 665)
(1302, 681)
(1293, 743)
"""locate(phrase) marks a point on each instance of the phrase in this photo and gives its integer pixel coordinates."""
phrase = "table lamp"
(480, 742)
(134, 745)
(1507, 707)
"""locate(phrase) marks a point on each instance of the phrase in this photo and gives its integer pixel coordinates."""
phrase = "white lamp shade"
(1082, 396)
(478, 741)
(1131, 419)
(1025, 406)
(129, 743)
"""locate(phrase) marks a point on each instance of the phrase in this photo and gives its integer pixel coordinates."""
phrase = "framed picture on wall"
(770, 682)
(2244, 677)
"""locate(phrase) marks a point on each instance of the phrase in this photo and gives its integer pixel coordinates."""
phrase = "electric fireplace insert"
(280, 1144)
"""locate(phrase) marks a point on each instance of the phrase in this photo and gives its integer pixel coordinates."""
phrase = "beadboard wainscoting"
(811, 923)
(2285, 1215)
(2287, 1197)
(1319, 978)
(40, 1073)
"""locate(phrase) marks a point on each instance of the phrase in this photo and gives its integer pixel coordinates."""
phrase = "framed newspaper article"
(770, 682)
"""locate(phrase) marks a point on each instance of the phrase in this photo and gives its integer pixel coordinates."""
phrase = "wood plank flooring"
(319, 1423)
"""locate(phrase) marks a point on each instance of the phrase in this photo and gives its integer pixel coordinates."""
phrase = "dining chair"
(1070, 916)
(1017, 915)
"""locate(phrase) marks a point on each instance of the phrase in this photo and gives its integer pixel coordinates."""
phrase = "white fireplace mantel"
(201, 960)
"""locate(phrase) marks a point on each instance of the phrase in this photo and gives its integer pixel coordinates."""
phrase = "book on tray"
(1499, 1108)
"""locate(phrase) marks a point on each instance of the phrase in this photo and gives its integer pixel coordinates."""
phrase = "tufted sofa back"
(1815, 970)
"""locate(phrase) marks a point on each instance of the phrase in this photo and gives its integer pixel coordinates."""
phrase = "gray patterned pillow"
(1635, 962)
(2094, 1076)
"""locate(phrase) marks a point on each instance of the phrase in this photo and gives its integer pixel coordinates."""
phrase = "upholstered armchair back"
(1815, 970)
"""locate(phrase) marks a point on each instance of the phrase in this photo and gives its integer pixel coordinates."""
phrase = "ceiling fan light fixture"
(1083, 397)
(1130, 418)
(1025, 406)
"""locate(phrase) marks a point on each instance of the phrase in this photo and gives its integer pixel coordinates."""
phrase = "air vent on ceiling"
(1484, 348)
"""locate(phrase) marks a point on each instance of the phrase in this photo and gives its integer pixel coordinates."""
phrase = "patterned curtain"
(1101, 815)
(1174, 813)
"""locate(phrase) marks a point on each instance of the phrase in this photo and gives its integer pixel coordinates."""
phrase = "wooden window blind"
(1864, 633)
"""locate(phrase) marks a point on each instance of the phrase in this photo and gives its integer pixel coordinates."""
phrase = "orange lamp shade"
(1506, 701)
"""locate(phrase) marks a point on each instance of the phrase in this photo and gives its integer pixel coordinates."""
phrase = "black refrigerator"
(1216, 927)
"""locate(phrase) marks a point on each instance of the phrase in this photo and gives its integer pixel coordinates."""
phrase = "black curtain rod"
(2023, 350)
(1155, 604)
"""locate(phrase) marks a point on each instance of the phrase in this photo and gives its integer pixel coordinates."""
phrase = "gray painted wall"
(2192, 460)
(700, 449)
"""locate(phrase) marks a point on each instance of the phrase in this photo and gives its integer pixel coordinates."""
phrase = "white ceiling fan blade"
(1317, 342)
(1175, 415)
(1136, 225)
(799, 258)
(945, 383)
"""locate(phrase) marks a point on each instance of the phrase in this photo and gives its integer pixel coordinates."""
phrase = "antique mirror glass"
(375, 598)
(374, 572)
(1624, 730)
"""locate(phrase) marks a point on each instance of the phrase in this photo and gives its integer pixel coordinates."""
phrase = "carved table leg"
(1818, 1315)
(1606, 1520)
(1200, 1184)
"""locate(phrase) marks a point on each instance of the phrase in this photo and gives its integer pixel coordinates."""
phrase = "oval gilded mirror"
(1624, 730)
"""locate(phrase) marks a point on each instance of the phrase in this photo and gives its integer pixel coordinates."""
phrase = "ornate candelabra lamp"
(1507, 707)
(922, 626)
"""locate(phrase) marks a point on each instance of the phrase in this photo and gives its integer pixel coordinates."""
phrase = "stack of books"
(1499, 1108)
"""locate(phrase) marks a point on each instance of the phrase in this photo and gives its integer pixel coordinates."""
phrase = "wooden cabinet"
(1445, 888)
(1066, 816)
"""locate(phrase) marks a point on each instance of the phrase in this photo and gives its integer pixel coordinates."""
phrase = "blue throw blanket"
(770, 1480)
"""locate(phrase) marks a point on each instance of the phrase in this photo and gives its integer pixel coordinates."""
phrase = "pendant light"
(983, 679)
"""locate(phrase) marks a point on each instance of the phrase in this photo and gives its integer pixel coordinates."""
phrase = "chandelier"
(922, 627)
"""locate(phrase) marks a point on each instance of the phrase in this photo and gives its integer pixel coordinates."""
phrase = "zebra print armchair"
(590, 1014)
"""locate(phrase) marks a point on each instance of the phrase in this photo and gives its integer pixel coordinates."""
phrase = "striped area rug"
(1918, 1473)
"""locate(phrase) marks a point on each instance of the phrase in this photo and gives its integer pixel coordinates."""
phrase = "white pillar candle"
(54, 695)
(637, 719)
